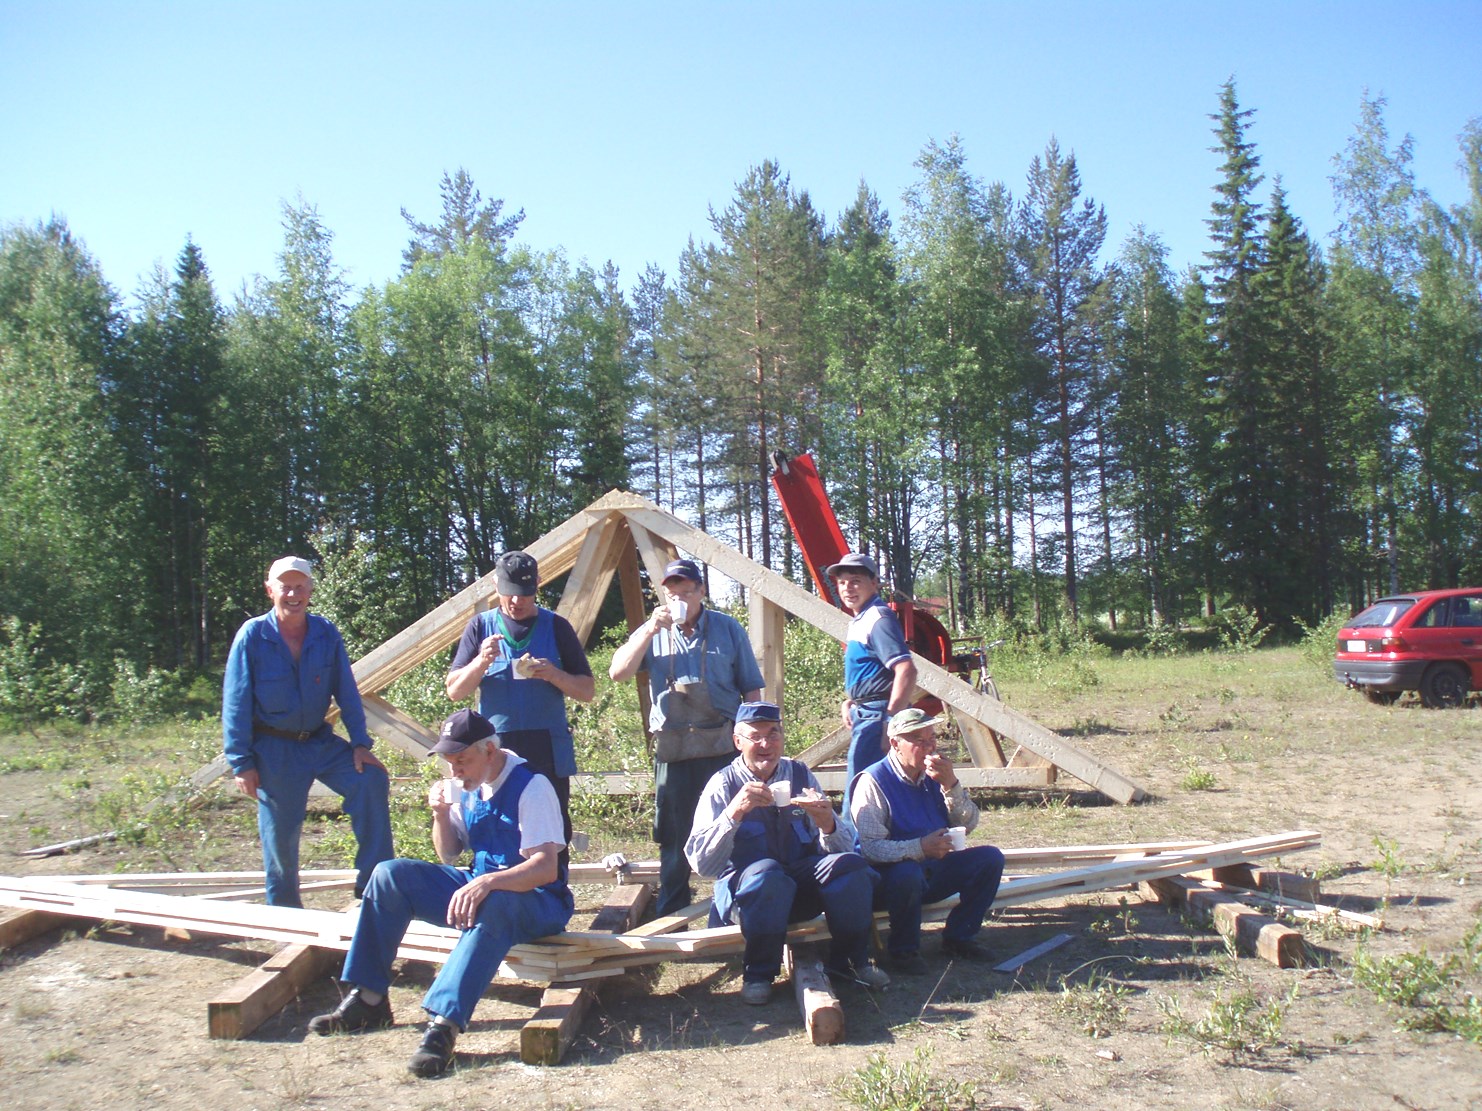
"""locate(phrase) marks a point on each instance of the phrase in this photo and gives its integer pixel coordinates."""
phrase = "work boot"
(353, 1014)
(436, 1051)
(756, 992)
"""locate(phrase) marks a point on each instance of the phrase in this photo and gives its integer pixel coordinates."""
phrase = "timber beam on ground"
(545, 1038)
(585, 955)
(1250, 931)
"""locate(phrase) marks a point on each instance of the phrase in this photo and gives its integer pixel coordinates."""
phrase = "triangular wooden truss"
(610, 537)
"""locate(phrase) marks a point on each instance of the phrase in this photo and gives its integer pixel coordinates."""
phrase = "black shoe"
(906, 964)
(353, 1013)
(969, 950)
(436, 1052)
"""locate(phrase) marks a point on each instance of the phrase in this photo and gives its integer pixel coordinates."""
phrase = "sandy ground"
(117, 1018)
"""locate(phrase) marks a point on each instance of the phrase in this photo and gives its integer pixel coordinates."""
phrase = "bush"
(34, 689)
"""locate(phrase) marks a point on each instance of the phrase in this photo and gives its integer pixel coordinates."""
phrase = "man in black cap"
(879, 673)
(780, 854)
(513, 891)
(700, 669)
(525, 661)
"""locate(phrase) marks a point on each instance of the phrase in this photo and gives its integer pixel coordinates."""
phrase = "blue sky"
(617, 126)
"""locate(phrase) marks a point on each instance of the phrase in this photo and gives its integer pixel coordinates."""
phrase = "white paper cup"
(959, 837)
(781, 794)
(677, 610)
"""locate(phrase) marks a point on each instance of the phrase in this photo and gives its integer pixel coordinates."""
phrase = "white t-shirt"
(540, 810)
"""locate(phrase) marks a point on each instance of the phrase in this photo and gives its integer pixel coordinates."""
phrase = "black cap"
(516, 573)
(683, 569)
(758, 711)
(466, 727)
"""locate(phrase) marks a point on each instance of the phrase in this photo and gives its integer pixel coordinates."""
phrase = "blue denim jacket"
(265, 685)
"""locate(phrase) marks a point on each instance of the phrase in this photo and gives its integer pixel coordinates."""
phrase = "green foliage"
(33, 688)
(1319, 641)
(1197, 778)
(1238, 1021)
(1098, 1006)
(909, 1086)
(1431, 995)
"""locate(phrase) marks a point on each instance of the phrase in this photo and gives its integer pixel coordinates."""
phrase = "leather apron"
(693, 727)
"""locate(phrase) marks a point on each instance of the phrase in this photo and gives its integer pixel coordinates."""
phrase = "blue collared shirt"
(265, 685)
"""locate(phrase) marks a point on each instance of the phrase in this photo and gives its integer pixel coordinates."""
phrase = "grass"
(908, 1086)
(1238, 1021)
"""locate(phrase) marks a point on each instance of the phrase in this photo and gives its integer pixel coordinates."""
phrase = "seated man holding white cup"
(905, 808)
(778, 852)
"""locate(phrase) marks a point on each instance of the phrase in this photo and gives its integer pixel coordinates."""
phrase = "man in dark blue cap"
(525, 661)
(780, 854)
(879, 673)
(700, 669)
(513, 891)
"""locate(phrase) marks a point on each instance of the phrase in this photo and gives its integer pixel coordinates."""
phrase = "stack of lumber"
(575, 956)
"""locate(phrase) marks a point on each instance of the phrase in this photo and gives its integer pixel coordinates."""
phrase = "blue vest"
(513, 704)
(494, 828)
(783, 834)
(914, 811)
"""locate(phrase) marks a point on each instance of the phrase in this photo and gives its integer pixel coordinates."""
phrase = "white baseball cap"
(282, 566)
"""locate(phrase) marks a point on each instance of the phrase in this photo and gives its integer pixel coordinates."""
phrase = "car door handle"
(1468, 641)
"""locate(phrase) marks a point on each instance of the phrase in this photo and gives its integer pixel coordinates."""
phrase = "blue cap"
(758, 711)
(683, 569)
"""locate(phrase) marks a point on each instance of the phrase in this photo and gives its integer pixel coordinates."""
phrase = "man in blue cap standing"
(700, 669)
(780, 854)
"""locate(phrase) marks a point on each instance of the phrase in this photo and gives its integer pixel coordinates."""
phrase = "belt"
(285, 734)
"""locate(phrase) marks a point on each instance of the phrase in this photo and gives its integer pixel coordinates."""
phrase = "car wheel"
(1381, 698)
(1443, 686)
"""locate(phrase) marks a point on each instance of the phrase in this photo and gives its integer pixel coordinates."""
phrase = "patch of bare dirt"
(117, 1017)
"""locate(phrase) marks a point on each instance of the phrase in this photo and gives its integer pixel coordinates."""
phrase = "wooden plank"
(833, 743)
(823, 1016)
(1292, 885)
(982, 743)
(545, 1038)
(635, 613)
(397, 728)
(768, 630)
(1252, 933)
(1013, 964)
(264, 992)
(17, 929)
(586, 589)
(656, 553)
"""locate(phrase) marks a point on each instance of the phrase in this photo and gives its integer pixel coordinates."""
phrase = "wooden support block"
(545, 1039)
(1289, 885)
(20, 928)
(260, 995)
(823, 1016)
(1254, 933)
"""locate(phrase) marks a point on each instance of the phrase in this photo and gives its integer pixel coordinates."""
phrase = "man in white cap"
(779, 854)
(514, 890)
(700, 669)
(879, 673)
(283, 669)
(903, 807)
(525, 661)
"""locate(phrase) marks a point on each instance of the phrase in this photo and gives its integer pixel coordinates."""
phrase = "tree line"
(1015, 416)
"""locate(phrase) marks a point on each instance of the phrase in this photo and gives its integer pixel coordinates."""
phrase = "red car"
(1429, 641)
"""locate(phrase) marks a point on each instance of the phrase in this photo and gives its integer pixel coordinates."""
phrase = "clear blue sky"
(615, 126)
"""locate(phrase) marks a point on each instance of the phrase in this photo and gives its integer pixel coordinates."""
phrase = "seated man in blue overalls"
(778, 852)
(904, 807)
(515, 890)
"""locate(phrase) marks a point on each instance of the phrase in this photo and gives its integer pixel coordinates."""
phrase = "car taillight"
(1393, 644)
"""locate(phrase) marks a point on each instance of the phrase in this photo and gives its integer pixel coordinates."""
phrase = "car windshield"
(1386, 611)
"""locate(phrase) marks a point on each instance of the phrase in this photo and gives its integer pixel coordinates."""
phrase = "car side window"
(1433, 618)
(1467, 611)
